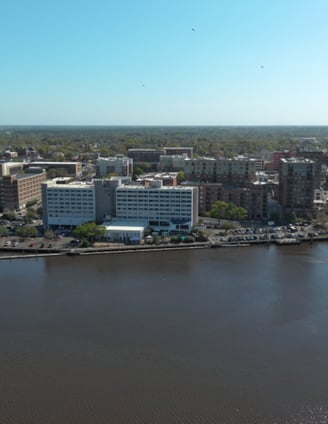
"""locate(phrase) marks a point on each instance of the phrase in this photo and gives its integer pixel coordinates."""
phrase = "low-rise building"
(123, 231)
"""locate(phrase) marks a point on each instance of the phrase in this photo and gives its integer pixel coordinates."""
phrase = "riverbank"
(17, 253)
(103, 248)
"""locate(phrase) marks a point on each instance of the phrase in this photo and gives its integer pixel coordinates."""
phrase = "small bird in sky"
(193, 29)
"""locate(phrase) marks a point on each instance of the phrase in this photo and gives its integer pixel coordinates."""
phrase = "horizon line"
(163, 125)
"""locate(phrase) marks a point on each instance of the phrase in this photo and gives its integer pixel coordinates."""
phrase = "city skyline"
(170, 63)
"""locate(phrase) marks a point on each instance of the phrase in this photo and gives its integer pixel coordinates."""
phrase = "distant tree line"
(67, 142)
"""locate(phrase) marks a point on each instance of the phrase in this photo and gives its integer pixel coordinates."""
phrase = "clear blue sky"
(164, 62)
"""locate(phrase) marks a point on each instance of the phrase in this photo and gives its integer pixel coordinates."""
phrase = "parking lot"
(266, 234)
(35, 243)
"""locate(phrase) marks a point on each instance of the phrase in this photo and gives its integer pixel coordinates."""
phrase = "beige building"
(10, 168)
(238, 171)
(253, 198)
(16, 190)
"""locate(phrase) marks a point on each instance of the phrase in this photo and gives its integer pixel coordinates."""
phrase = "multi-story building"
(71, 204)
(238, 171)
(144, 155)
(68, 204)
(171, 163)
(167, 178)
(10, 168)
(119, 165)
(10, 154)
(18, 189)
(179, 151)
(253, 198)
(105, 193)
(277, 156)
(318, 158)
(164, 208)
(59, 169)
(208, 194)
(297, 184)
(321, 199)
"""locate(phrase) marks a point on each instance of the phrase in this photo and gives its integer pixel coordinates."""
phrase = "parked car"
(75, 242)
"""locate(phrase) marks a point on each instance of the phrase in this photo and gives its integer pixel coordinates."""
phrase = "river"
(236, 336)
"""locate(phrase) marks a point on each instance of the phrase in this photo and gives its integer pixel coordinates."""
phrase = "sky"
(163, 62)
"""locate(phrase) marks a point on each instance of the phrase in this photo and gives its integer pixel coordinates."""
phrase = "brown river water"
(236, 336)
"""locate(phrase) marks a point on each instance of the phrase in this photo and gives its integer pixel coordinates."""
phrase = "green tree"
(218, 210)
(3, 231)
(224, 210)
(30, 215)
(137, 171)
(89, 231)
(181, 176)
(27, 231)
(9, 216)
(30, 203)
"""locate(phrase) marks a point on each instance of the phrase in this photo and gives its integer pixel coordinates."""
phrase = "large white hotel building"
(68, 204)
(170, 208)
(163, 208)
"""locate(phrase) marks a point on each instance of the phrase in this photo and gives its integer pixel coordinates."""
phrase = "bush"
(189, 239)
(85, 243)
(31, 203)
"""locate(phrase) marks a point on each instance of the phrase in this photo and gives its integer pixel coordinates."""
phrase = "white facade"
(169, 208)
(122, 231)
(163, 208)
(321, 197)
(172, 162)
(68, 204)
(120, 165)
(10, 168)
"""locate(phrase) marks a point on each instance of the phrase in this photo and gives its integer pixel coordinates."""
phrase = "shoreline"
(26, 253)
(36, 253)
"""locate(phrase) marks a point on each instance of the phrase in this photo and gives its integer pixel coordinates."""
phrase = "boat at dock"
(230, 245)
(287, 241)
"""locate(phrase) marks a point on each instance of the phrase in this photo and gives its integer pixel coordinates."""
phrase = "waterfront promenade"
(239, 236)
(26, 249)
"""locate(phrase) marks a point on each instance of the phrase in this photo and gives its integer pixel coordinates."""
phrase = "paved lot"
(35, 243)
